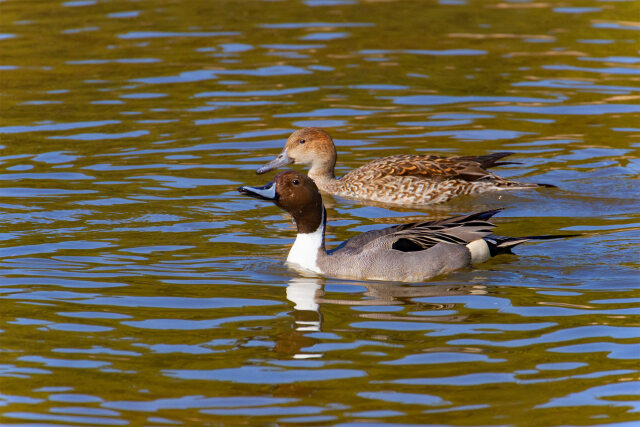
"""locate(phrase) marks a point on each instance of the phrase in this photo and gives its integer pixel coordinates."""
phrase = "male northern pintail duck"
(400, 179)
(407, 252)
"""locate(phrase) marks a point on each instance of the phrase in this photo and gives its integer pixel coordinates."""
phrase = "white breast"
(304, 252)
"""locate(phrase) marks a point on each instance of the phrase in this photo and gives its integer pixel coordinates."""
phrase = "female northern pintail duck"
(400, 179)
(407, 252)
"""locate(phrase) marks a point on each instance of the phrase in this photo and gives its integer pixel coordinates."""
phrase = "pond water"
(139, 288)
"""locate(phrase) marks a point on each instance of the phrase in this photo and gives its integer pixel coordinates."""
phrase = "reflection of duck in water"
(304, 293)
(308, 294)
(308, 297)
(383, 294)
(400, 179)
(408, 252)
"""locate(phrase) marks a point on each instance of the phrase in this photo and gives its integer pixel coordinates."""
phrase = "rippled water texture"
(139, 288)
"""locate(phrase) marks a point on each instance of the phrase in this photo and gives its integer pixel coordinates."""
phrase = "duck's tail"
(506, 184)
(503, 245)
(491, 160)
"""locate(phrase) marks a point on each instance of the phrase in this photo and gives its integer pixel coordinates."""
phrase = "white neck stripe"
(304, 252)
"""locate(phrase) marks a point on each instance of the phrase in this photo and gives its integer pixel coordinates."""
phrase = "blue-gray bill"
(281, 160)
(266, 192)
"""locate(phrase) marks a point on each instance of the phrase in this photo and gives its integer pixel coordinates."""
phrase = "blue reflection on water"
(196, 401)
(56, 126)
(608, 70)
(446, 52)
(264, 374)
(588, 109)
(604, 395)
(443, 99)
(291, 25)
(167, 34)
(101, 136)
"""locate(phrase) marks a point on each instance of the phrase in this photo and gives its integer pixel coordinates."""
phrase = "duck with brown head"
(408, 252)
(401, 179)
(308, 146)
(298, 195)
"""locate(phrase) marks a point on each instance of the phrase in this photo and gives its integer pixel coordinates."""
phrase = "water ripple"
(139, 288)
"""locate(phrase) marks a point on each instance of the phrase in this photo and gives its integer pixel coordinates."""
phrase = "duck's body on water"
(401, 179)
(408, 252)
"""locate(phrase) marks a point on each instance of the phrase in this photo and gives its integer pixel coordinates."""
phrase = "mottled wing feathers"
(468, 168)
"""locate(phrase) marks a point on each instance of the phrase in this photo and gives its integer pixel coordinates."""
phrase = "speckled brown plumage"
(400, 179)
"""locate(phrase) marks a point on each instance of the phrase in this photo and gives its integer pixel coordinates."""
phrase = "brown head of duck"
(307, 146)
(295, 193)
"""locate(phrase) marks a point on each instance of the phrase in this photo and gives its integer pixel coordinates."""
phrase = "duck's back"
(409, 252)
(413, 179)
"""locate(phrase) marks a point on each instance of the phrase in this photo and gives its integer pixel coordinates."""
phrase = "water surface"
(139, 288)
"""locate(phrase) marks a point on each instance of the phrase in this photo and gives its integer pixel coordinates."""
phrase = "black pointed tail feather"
(483, 214)
(462, 219)
(503, 245)
(491, 160)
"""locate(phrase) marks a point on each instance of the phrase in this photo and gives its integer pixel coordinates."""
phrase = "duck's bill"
(266, 192)
(281, 160)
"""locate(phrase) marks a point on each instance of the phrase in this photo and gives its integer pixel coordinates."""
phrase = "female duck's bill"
(280, 161)
(407, 252)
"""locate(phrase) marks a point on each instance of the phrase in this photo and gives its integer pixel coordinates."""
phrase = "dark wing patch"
(423, 238)
(419, 236)
(406, 245)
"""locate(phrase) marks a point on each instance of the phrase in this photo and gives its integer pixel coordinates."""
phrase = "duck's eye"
(302, 141)
(296, 182)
